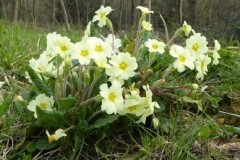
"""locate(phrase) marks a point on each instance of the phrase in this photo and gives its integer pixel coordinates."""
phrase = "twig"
(231, 114)
(137, 40)
(94, 115)
(165, 26)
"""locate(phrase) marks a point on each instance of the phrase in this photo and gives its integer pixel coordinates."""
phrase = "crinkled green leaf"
(204, 132)
(64, 104)
(105, 121)
(43, 144)
(43, 87)
(51, 118)
(31, 147)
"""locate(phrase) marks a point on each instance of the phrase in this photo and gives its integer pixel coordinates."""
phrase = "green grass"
(184, 131)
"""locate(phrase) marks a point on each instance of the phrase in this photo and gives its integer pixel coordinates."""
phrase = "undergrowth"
(184, 131)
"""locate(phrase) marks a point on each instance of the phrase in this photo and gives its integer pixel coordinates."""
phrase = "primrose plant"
(88, 85)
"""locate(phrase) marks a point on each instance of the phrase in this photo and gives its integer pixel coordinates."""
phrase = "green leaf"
(231, 130)
(31, 147)
(43, 144)
(94, 31)
(64, 104)
(44, 88)
(52, 118)
(204, 132)
(105, 121)
(6, 103)
(130, 47)
(102, 79)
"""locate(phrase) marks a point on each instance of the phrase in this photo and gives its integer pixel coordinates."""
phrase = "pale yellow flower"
(183, 58)
(197, 45)
(43, 102)
(144, 10)
(155, 46)
(101, 16)
(57, 135)
(216, 56)
(201, 66)
(112, 98)
(83, 53)
(123, 66)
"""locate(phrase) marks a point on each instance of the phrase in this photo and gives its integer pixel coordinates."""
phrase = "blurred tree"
(65, 16)
(15, 10)
(192, 12)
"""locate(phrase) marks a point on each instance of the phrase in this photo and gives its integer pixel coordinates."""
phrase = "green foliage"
(64, 104)
(6, 103)
(104, 121)
(42, 86)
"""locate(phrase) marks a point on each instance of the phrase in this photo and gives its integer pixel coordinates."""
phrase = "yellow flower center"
(202, 64)
(112, 97)
(49, 55)
(102, 15)
(98, 48)
(64, 48)
(195, 47)
(41, 69)
(123, 65)
(84, 53)
(43, 105)
(154, 46)
(132, 108)
(182, 58)
(52, 137)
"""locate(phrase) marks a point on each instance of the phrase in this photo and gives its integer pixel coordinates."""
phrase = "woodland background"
(215, 16)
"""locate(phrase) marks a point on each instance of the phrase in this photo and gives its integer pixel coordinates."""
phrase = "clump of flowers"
(100, 75)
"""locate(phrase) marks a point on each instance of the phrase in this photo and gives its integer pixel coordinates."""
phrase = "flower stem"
(94, 115)
(137, 39)
(88, 101)
(69, 128)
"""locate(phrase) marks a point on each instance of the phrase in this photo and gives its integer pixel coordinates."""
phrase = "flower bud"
(68, 61)
(86, 78)
(98, 98)
(97, 72)
(155, 122)
(152, 56)
(195, 86)
(20, 98)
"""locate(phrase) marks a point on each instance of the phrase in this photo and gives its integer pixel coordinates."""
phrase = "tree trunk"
(65, 16)
(78, 13)
(103, 2)
(150, 8)
(15, 10)
(120, 15)
(180, 11)
(34, 11)
(192, 11)
(4, 10)
(53, 18)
